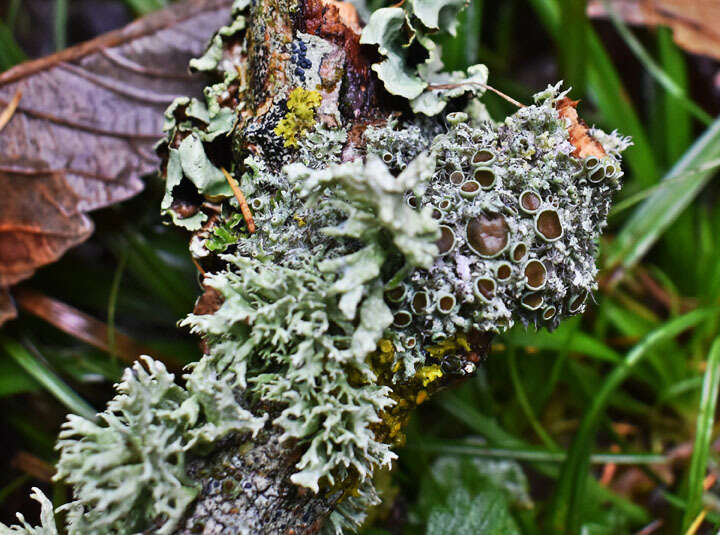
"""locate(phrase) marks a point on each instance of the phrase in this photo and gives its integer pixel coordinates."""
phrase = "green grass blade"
(572, 45)
(572, 486)
(463, 49)
(660, 76)
(666, 183)
(51, 382)
(658, 212)
(579, 342)
(12, 13)
(10, 52)
(60, 20)
(112, 304)
(678, 124)
(473, 449)
(478, 422)
(703, 435)
(525, 403)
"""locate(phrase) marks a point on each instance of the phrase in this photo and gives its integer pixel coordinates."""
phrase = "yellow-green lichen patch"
(300, 116)
(429, 374)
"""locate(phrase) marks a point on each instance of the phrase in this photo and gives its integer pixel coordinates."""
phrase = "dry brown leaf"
(83, 132)
(579, 133)
(695, 23)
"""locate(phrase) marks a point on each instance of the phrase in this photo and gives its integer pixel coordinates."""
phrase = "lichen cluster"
(386, 251)
(519, 217)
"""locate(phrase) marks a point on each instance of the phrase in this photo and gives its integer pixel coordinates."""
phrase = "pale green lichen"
(477, 193)
(296, 326)
(396, 31)
(213, 56)
(47, 519)
(127, 467)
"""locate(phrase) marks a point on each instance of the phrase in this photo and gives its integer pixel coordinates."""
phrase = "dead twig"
(244, 208)
(481, 84)
(10, 109)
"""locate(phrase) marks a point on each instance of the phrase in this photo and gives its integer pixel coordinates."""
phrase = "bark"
(246, 488)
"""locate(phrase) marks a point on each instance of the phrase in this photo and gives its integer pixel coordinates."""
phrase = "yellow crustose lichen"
(300, 116)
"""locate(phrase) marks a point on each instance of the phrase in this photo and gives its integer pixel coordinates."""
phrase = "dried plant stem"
(484, 86)
(244, 208)
(10, 109)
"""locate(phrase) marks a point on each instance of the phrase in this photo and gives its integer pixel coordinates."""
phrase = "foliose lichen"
(399, 33)
(47, 519)
(127, 467)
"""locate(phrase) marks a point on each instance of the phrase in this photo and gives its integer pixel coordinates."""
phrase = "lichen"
(47, 519)
(127, 467)
(300, 117)
(296, 327)
(399, 32)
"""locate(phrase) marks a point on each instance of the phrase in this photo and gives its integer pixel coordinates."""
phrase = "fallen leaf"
(83, 132)
(695, 23)
(585, 145)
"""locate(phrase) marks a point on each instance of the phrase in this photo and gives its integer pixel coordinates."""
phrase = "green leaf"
(43, 375)
(648, 223)
(703, 435)
(487, 513)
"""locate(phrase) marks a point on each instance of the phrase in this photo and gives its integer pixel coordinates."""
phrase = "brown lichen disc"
(485, 288)
(503, 272)
(396, 294)
(535, 273)
(402, 318)
(420, 302)
(412, 201)
(530, 201)
(487, 234)
(457, 177)
(447, 240)
(549, 313)
(483, 156)
(519, 252)
(470, 187)
(446, 303)
(533, 301)
(548, 225)
(486, 177)
(577, 301)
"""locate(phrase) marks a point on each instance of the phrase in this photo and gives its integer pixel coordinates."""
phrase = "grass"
(611, 417)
